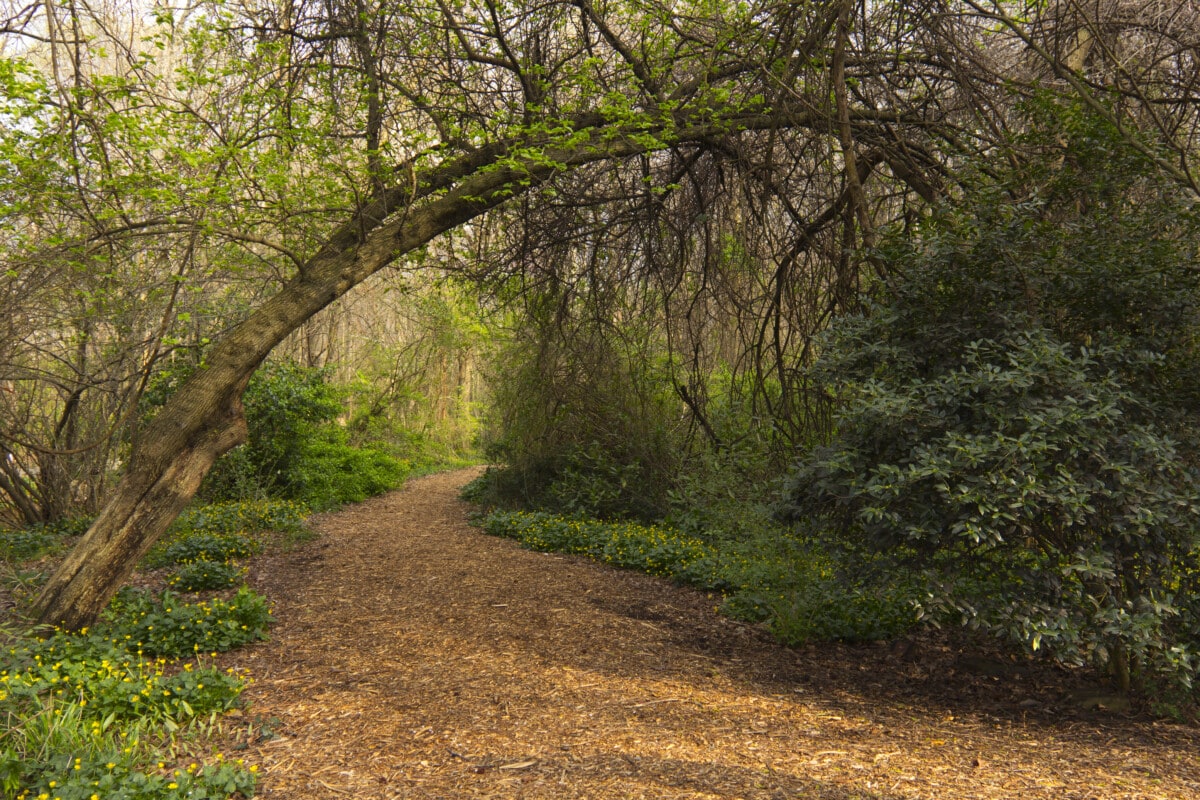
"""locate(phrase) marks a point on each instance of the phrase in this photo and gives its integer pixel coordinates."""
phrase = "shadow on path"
(415, 657)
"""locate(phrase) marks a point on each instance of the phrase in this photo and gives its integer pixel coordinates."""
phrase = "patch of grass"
(60, 751)
(21, 581)
(224, 531)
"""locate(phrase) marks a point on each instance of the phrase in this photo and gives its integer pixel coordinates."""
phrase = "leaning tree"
(447, 112)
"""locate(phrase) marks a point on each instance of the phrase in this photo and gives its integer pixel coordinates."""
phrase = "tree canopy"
(206, 179)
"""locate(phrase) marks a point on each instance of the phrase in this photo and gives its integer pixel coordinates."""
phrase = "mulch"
(415, 657)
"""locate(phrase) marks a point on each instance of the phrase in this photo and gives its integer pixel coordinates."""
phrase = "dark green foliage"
(813, 589)
(476, 490)
(606, 480)
(286, 404)
(720, 496)
(296, 450)
(1019, 413)
(1025, 439)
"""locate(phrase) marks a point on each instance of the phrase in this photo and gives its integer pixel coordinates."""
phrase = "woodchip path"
(415, 657)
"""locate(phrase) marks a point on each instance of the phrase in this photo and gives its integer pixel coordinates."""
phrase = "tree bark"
(203, 419)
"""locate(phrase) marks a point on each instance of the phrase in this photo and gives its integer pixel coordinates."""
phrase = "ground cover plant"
(107, 712)
(202, 574)
(33, 541)
(206, 543)
(94, 714)
(800, 589)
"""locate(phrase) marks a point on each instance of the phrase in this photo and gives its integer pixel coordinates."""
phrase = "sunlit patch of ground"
(415, 657)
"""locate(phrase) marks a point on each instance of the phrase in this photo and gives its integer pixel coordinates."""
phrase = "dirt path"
(414, 657)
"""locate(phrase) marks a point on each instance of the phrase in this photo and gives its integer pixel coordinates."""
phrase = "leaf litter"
(415, 657)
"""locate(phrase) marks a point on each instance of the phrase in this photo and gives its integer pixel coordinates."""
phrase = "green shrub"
(1031, 456)
(1019, 414)
(296, 449)
(285, 405)
(721, 496)
(478, 488)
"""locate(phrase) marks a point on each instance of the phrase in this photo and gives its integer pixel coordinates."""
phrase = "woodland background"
(870, 315)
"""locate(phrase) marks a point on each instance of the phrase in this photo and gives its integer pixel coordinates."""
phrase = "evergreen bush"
(1018, 414)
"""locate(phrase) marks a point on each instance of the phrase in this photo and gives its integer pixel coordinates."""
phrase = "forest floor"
(415, 657)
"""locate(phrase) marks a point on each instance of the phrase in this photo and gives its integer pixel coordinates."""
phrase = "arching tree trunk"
(203, 419)
(146, 502)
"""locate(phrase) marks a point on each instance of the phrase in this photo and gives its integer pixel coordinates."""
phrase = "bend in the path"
(415, 657)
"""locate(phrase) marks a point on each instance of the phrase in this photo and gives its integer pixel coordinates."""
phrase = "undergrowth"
(96, 714)
(38, 540)
(802, 590)
(207, 544)
(108, 712)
